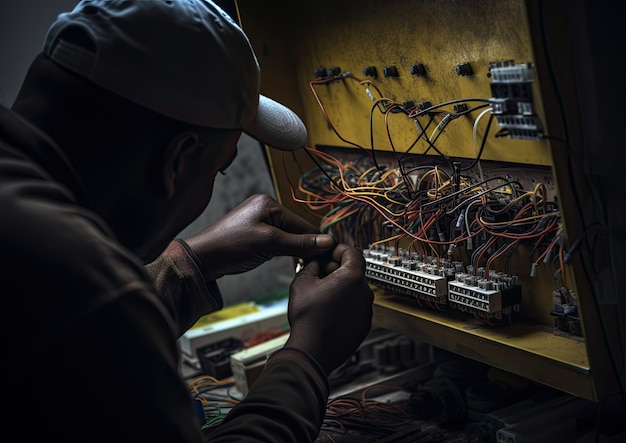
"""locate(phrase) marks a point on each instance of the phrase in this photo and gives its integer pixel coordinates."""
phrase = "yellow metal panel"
(352, 35)
(525, 349)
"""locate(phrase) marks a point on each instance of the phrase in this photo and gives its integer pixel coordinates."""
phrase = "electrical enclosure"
(459, 99)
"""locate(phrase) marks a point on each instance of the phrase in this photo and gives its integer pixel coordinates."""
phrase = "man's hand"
(251, 234)
(330, 307)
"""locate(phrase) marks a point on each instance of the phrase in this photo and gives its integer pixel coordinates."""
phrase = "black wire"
(330, 80)
(431, 144)
(508, 256)
(321, 168)
(423, 128)
(373, 151)
(450, 102)
(454, 194)
(407, 182)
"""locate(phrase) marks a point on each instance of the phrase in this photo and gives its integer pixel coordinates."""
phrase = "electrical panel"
(435, 147)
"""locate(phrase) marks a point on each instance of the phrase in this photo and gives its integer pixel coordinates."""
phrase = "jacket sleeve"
(181, 286)
(286, 403)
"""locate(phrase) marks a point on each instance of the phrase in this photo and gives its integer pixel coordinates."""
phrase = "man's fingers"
(289, 221)
(348, 256)
(310, 269)
(303, 245)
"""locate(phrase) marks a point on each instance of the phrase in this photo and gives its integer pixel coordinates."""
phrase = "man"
(109, 150)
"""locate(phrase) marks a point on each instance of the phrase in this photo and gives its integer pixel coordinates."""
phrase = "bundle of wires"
(366, 415)
(215, 396)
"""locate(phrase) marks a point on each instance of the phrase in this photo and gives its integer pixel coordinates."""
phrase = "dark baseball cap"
(186, 59)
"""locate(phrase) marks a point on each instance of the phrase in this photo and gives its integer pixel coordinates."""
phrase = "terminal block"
(565, 311)
(486, 297)
(406, 276)
(513, 104)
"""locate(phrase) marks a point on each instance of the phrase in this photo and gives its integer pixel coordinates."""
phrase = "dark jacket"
(89, 333)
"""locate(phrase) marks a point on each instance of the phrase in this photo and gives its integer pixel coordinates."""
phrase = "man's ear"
(176, 155)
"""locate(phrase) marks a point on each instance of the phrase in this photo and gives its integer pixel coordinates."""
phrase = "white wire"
(480, 170)
(442, 124)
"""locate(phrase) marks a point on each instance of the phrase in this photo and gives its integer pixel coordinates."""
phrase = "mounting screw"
(418, 69)
(424, 105)
(370, 71)
(319, 72)
(461, 107)
(464, 69)
(390, 71)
